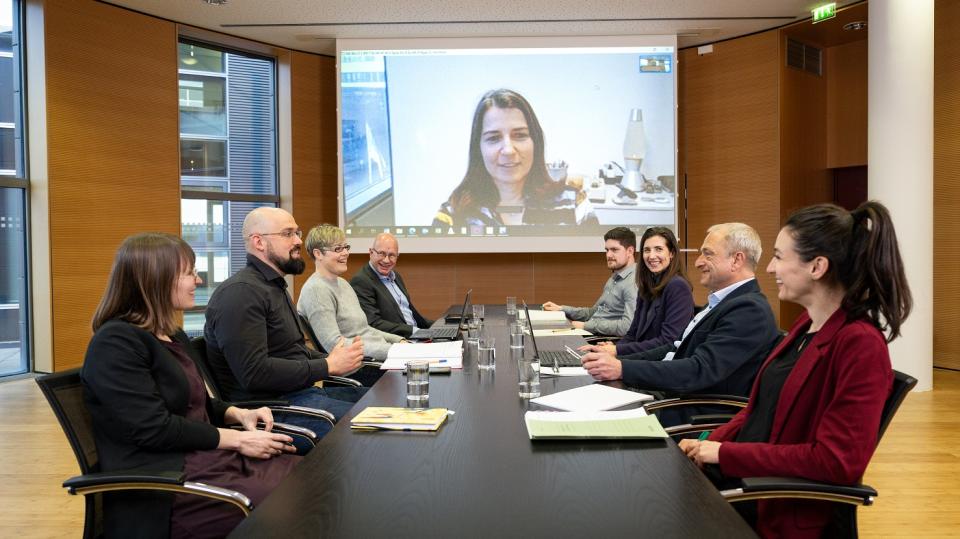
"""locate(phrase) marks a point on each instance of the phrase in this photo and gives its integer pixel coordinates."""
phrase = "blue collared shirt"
(390, 281)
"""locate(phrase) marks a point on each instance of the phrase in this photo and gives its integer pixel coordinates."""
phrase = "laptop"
(551, 358)
(445, 332)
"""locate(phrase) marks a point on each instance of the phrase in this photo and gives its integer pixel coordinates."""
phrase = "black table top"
(481, 476)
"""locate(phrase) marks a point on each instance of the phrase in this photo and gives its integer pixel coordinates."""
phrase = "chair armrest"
(733, 401)
(688, 428)
(370, 362)
(316, 413)
(755, 488)
(288, 429)
(340, 380)
(153, 480)
(259, 403)
(710, 419)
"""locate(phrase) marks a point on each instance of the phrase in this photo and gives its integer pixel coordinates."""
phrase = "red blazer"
(826, 424)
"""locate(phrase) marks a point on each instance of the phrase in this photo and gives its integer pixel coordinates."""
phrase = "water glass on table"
(477, 310)
(473, 328)
(511, 308)
(487, 354)
(418, 382)
(471, 349)
(516, 334)
(528, 373)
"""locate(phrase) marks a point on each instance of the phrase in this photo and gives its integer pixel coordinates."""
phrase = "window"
(228, 162)
(14, 315)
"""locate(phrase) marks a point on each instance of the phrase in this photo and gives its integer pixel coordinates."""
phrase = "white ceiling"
(314, 25)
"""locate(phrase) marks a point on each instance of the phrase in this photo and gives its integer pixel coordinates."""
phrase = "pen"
(704, 435)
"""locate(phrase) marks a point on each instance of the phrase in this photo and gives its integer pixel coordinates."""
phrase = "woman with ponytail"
(815, 407)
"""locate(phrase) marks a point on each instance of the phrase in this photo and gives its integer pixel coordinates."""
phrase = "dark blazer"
(381, 309)
(660, 321)
(137, 395)
(720, 356)
(826, 423)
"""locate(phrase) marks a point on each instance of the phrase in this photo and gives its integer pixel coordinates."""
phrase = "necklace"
(806, 337)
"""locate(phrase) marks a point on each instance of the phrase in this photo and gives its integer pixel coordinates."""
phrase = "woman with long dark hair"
(664, 298)
(149, 407)
(507, 182)
(815, 407)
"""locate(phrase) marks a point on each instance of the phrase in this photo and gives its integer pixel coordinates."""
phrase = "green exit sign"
(824, 12)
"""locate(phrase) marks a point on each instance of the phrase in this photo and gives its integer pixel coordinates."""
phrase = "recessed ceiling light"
(856, 25)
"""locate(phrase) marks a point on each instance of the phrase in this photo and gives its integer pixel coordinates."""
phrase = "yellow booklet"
(378, 417)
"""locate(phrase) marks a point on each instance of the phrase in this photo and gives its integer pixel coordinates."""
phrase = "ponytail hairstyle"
(650, 285)
(864, 259)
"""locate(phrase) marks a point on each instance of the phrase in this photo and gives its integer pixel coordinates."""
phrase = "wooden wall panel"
(846, 74)
(729, 130)
(804, 178)
(946, 185)
(113, 150)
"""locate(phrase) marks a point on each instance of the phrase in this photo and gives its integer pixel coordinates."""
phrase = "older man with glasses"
(255, 343)
(382, 294)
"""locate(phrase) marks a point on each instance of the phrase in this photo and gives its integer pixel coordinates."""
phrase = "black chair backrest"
(64, 392)
(902, 384)
(308, 334)
(199, 345)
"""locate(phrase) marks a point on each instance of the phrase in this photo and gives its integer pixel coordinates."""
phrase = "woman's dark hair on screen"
(477, 188)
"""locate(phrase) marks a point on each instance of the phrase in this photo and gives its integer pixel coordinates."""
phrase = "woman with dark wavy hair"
(150, 409)
(507, 182)
(816, 404)
(664, 298)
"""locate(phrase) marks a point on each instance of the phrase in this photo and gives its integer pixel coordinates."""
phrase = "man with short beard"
(255, 345)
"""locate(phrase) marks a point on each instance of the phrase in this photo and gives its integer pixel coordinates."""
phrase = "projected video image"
(507, 142)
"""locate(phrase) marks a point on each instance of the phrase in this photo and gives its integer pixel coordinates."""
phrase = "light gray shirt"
(334, 311)
(612, 314)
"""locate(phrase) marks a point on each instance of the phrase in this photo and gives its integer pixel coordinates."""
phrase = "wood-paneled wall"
(729, 130)
(112, 151)
(946, 185)
(846, 74)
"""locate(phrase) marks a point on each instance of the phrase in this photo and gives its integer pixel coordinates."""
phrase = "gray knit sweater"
(334, 311)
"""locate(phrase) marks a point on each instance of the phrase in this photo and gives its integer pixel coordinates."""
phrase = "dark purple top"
(660, 321)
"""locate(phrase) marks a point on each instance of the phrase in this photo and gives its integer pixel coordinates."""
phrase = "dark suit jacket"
(826, 423)
(381, 309)
(137, 395)
(720, 356)
(660, 321)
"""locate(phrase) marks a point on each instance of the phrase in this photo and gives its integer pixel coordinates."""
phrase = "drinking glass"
(487, 355)
(418, 381)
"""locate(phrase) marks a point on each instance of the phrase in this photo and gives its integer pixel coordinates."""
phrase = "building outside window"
(228, 163)
(14, 285)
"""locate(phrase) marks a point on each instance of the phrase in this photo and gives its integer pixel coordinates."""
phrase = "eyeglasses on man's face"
(384, 254)
(285, 234)
(339, 248)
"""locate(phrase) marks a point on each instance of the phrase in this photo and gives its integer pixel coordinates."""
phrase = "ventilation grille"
(804, 57)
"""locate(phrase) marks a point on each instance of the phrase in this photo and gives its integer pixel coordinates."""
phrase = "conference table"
(481, 476)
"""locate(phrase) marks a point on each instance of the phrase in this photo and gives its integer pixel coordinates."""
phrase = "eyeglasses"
(339, 248)
(384, 254)
(286, 234)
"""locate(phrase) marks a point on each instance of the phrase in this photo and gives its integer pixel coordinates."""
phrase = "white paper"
(593, 397)
(559, 332)
(537, 315)
(545, 415)
(546, 370)
(444, 354)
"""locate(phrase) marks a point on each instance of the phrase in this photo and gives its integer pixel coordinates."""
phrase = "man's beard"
(290, 266)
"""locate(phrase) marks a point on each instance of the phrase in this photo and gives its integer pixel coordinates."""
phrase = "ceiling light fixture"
(856, 25)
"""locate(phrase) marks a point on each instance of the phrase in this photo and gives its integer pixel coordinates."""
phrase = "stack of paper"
(377, 418)
(446, 354)
(591, 398)
(544, 316)
(578, 425)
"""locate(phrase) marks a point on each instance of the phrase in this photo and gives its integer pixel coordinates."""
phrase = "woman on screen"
(816, 404)
(507, 182)
(149, 408)
(664, 298)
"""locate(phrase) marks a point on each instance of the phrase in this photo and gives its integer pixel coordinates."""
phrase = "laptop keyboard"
(564, 358)
(450, 332)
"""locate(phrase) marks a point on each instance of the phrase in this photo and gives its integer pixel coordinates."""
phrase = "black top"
(254, 343)
(138, 396)
(381, 308)
(758, 425)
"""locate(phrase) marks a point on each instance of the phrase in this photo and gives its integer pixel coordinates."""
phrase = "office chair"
(844, 523)
(64, 392)
(199, 345)
(369, 371)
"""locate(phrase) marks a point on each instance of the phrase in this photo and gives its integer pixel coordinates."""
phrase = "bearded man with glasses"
(255, 344)
(381, 292)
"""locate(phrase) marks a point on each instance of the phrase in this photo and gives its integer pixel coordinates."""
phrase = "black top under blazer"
(137, 395)
(378, 304)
